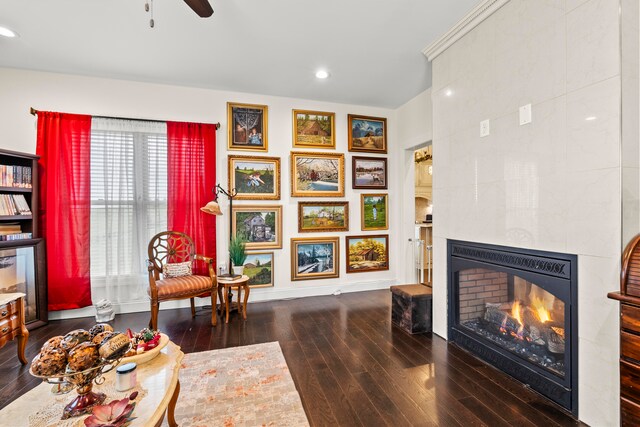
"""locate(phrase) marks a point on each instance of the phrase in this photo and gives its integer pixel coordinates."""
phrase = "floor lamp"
(213, 208)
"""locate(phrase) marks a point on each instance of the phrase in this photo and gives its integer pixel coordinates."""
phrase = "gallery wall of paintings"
(313, 187)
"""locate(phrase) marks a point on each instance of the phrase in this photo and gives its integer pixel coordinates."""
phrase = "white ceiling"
(372, 48)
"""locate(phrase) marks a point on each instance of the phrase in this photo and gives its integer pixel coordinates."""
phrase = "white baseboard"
(257, 295)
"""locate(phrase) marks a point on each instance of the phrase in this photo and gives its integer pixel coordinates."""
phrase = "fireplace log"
(501, 319)
(555, 342)
(534, 330)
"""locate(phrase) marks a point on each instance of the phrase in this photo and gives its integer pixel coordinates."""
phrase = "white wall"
(20, 89)
(415, 129)
(550, 185)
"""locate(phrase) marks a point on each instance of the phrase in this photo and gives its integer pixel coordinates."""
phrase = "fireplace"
(517, 310)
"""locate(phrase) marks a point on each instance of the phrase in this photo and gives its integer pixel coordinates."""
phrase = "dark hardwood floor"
(350, 365)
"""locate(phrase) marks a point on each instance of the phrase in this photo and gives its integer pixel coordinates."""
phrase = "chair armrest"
(212, 269)
(152, 280)
(206, 259)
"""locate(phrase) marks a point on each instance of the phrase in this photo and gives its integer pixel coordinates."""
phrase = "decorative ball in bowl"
(76, 359)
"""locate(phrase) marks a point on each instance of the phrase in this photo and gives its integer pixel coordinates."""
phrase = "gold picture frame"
(314, 129)
(254, 177)
(363, 253)
(248, 127)
(323, 217)
(374, 213)
(317, 174)
(317, 256)
(254, 268)
(257, 226)
(367, 134)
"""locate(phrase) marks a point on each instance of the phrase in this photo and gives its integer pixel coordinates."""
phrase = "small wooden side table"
(12, 322)
(239, 283)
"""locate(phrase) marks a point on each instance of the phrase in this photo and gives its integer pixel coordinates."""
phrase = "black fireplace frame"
(556, 273)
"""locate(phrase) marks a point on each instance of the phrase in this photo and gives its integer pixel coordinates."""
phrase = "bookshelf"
(22, 261)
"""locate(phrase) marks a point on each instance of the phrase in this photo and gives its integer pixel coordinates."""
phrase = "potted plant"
(237, 254)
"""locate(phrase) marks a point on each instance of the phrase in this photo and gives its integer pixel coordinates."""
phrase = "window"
(128, 204)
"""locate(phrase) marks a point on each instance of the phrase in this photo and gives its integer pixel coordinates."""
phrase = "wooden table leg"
(246, 298)
(239, 303)
(23, 334)
(226, 303)
(172, 406)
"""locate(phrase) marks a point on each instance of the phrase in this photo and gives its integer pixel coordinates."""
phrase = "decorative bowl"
(83, 382)
(148, 355)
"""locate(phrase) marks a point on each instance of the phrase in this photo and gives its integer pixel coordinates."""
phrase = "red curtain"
(64, 144)
(191, 175)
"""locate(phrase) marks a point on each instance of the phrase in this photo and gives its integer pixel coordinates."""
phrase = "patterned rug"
(240, 386)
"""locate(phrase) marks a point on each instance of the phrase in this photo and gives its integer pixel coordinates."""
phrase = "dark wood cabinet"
(22, 261)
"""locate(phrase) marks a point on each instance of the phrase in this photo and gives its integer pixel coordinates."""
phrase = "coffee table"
(158, 383)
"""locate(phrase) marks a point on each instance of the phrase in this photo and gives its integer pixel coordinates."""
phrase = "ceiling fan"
(200, 7)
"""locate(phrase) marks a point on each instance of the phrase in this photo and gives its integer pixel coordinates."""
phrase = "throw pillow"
(176, 269)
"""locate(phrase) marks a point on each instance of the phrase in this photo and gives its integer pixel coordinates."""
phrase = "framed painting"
(259, 267)
(317, 174)
(315, 258)
(314, 129)
(367, 134)
(255, 177)
(323, 216)
(259, 225)
(367, 253)
(374, 213)
(369, 173)
(247, 125)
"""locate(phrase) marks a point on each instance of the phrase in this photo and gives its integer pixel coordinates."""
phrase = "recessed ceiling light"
(591, 118)
(322, 74)
(448, 92)
(5, 32)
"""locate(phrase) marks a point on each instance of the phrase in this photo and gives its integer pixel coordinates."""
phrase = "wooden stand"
(629, 297)
(12, 322)
(240, 283)
(411, 308)
(35, 301)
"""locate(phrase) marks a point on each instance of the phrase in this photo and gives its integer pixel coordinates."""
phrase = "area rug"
(237, 387)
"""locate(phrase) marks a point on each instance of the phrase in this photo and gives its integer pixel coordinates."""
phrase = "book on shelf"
(16, 236)
(12, 231)
(15, 176)
(14, 204)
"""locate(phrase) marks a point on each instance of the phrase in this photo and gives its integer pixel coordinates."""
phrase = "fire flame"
(516, 312)
(541, 311)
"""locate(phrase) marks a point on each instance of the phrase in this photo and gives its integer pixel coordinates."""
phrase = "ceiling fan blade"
(201, 7)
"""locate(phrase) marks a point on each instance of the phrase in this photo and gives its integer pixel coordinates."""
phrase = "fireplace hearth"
(517, 310)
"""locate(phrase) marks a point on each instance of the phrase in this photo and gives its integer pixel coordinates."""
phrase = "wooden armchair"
(175, 247)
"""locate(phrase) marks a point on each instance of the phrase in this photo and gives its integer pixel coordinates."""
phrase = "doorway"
(416, 204)
(423, 208)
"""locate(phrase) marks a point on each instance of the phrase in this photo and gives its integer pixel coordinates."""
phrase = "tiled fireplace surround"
(551, 185)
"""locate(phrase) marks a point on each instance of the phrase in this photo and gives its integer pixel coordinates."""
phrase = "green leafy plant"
(237, 251)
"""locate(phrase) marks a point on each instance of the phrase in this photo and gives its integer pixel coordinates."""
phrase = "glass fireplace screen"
(514, 314)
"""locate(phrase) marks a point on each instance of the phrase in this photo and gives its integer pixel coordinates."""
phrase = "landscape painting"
(367, 253)
(374, 213)
(259, 267)
(314, 129)
(315, 258)
(254, 177)
(247, 127)
(369, 173)
(367, 134)
(317, 175)
(260, 226)
(323, 216)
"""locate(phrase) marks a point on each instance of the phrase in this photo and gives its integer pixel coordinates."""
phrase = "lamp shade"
(212, 208)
